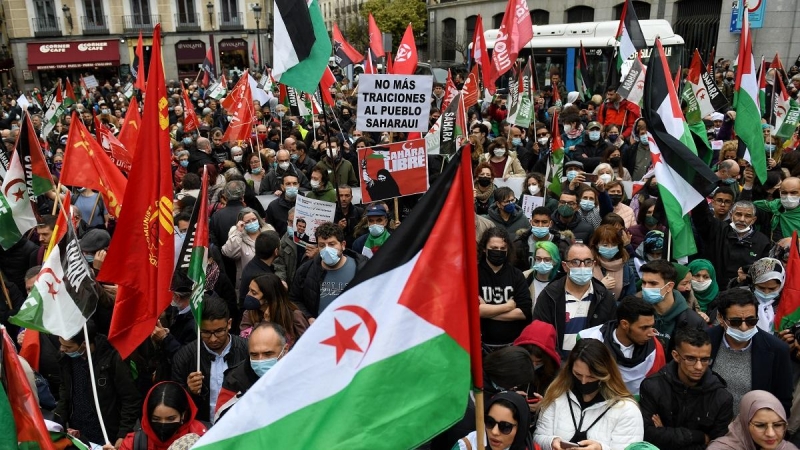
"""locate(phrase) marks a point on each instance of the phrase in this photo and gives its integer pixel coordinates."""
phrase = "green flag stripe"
(9, 233)
(748, 127)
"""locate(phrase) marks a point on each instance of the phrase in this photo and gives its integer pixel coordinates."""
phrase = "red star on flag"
(19, 194)
(342, 339)
(702, 96)
(51, 289)
(656, 157)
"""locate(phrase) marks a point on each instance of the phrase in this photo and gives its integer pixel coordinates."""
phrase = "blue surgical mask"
(540, 232)
(769, 148)
(644, 141)
(608, 252)
(290, 230)
(185, 163)
(510, 208)
(252, 227)
(77, 354)
(766, 298)
(741, 336)
(251, 303)
(543, 267)
(571, 175)
(89, 258)
(516, 142)
(187, 141)
(330, 256)
(580, 275)
(262, 366)
(255, 170)
(291, 192)
(729, 181)
(594, 136)
(652, 295)
(587, 205)
(294, 157)
(376, 230)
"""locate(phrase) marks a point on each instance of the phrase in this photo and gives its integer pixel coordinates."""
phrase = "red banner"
(393, 170)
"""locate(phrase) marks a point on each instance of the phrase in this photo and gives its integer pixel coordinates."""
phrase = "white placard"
(393, 102)
(313, 212)
(515, 183)
(531, 202)
(90, 82)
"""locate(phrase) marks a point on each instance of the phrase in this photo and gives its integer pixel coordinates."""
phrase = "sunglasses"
(736, 322)
(504, 427)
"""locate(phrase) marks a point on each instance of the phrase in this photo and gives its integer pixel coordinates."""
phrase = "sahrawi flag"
(380, 390)
(629, 34)
(64, 295)
(54, 112)
(787, 111)
(301, 46)
(683, 178)
(199, 259)
(745, 102)
(709, 97)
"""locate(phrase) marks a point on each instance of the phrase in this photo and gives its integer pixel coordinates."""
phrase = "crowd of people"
(592, 336)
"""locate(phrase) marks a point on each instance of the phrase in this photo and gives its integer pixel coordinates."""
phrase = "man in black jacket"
(225, 218)
(278, 209)
(575, 302)
(219, 351)
(120, 402)
(685, 405)
(201, 156)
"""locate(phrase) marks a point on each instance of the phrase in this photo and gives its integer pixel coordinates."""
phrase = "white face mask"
(567, 128)
(533, 189)
(237, 158)
(606, 178)
(543, 141)
(740, 230)
(790, 201)
(283, 165)
(701, 286)
(499, 152)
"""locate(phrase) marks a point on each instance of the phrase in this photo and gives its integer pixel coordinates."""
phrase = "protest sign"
(309, 213)
(515, 183)
(393, 170)
(90, 82)
(531, 202)
(393, 102)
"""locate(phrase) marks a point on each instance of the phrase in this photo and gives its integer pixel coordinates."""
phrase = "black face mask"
(615, 199)
(484, 182)
(614, 161)
(164, 431)
(496, 257)
(587, 388)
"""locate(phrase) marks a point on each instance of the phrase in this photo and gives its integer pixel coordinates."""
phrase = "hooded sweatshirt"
(497, 289)
(190, 425)
(675, 318)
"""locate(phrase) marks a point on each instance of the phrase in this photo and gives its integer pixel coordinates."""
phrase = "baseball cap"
(594, 124)
(376, 210)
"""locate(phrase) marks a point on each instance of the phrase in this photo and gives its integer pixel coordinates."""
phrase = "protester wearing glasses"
(685, 405)
(761, 424)
(588, 404)
(505, 213)
(575, 302)
(568, 218)
(507, 421)
(745, 356)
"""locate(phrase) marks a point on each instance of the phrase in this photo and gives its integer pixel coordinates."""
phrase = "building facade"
(51, 39)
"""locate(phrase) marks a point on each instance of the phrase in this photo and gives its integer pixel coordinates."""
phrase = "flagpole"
(5, 292)
(669, 244)
(328, 138)
(480, 426)
(94, 384)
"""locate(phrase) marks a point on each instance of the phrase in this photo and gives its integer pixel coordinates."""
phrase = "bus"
(556, 48)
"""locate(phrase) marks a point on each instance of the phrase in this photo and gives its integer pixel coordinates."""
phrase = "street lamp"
(67, 15)
(210, 8)
(257, 14)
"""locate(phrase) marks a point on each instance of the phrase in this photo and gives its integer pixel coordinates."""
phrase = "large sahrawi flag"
(301, 46)
(746, 105)
(683, 178)
(393, 350)
(64, 295)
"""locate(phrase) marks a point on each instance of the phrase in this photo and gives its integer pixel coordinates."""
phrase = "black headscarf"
(522, 440)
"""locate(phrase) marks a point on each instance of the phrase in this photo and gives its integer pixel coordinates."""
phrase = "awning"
(73, 54)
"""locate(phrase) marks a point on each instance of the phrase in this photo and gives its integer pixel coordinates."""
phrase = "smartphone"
(590, 177)
(567, 444)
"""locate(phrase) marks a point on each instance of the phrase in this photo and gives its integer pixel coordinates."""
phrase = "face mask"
(283, 165)
(652, 295)
(614, 161)
(105, 111)
(77, 354)
(251, 303)
(613, 137)
(330, 256)
(294, 157)
(516, 142)
(566, 211)
(484, 182)
(567, 128)
(499, 152)
(533, 189)
(237, 158)
(740, 230)
(615, 199)
(605, 178)
(543, 141)
(291, 192)
(587, 205)
(290, 230)
(580, 275)
(594, 135)
(200, 105)
(790, 201)
(644, 141)
(608, 252)
(376, 230)
(650, 221)
(187, 141)
(766, 298)
(59, 165)
(252, 227)
(701, 286)
(729, 181)
(89, 258)
(571, 175)
(543, 267)
(510, 208)
(315, 184)
(255, 171)
(540, 232)
(587, 388)
(281, 114)
(164, 431)
(262, 366)
(496, 257)
(769, 148)
(741, 336)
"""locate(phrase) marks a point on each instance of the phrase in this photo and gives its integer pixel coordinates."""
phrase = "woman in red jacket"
(168, 413)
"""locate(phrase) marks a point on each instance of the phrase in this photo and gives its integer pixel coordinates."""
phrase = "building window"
(579, 14)
(46, 13)
(230, 9)
(141, 9)
(449, 39)
(497, 19)
(186, 12)
(642, 10)
(540, 17)
(94, 11)
(470, 30)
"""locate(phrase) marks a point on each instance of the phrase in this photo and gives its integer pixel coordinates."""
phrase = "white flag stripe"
(674, 126)
(686, 195)
(398, 329)
(284, 55)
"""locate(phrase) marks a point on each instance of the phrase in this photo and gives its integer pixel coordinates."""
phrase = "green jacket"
(344, 172)
(328, 193)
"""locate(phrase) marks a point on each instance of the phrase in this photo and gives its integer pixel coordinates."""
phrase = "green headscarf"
(787, 220)
(682, 271)
(641, 446)
(707, 296)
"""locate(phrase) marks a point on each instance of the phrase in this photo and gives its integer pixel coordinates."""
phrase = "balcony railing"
(231, 21)
(139, 22)
(94, 25)
(187, 22)
(46, 26)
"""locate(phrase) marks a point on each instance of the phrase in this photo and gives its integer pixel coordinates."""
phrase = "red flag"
(114, 149)
(31, 348)
(209, 69)
(87, 165)
(129, 134)
(471, 90)
(678, 79)
(254, 52)
(236, 94)
(240, 126)
(140, 75)
(450, 90)
(480, 55)
(325, 84)
(375, 38)
(31, 430)
(190, 121)
(389, 64)
(405, 62)
(97, 126)
(776, 63)
(369, 68)
(515, 32)
(141, 256)
(343, 52)
(788, 312)
(71, 92)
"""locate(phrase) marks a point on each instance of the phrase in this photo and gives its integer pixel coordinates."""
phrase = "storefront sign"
(230, 45)
(73, 54)
(190, 52)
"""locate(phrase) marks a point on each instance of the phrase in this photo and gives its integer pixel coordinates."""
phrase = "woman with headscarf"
(683, 284)
(760, 425)
(651, 249)
(507, 422)
(704, 287)
(767, 276)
